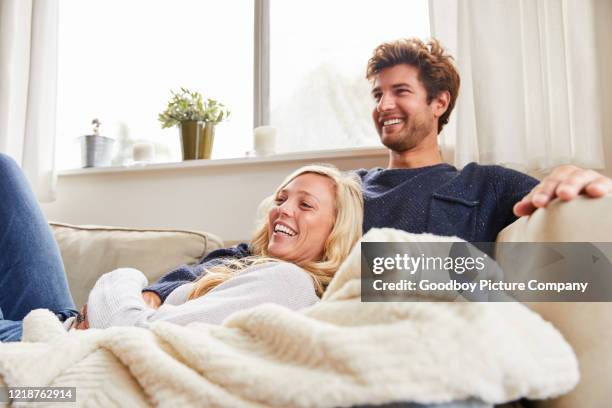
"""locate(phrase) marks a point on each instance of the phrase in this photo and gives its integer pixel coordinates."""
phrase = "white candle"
(264, 140)
(143, 152)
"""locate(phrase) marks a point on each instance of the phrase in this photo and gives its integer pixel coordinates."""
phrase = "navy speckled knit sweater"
(189, 273)
(474, 204)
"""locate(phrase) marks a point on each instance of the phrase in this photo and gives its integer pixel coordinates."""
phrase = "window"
(319, 97)
(118, 61)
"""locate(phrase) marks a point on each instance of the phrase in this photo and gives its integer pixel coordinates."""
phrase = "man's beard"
(409, 137)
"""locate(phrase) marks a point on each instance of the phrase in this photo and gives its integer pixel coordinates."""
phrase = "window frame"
(261, 64)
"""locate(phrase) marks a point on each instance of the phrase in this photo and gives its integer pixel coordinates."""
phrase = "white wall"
(220, 196)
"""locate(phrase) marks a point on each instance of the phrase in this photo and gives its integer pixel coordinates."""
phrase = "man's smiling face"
(402, 116)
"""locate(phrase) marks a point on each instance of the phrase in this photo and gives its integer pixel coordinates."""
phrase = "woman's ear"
(440, 103)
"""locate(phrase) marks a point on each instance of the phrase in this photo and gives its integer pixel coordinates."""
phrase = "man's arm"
(157, 293)
(565, 182)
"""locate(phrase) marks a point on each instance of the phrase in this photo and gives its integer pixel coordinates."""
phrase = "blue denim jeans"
(31, 271)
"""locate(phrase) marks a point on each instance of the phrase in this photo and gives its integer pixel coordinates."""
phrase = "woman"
(313, 220)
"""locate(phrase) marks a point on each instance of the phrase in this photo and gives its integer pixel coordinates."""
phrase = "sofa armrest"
(90, 251)
(586, 326)
(580, 220)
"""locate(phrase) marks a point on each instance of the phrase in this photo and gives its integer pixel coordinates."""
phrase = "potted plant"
(196, 119)
(96, 150)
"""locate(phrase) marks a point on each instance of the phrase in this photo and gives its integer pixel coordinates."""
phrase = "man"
(415, 86)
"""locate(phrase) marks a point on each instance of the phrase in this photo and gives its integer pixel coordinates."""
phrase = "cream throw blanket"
(339, 352)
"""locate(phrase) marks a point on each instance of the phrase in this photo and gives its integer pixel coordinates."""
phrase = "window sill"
(313, 156)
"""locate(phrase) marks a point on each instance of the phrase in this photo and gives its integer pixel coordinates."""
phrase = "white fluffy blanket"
(340, 352)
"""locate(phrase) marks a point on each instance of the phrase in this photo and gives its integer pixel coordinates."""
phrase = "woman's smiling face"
(302, 218)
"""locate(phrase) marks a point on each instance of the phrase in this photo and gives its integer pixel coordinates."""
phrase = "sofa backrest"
(90, 251)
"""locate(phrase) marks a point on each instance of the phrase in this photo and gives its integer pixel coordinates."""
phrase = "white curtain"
(28, 88)
(529, 92)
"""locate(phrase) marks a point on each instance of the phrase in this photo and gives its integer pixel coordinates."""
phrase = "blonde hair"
(345, 233)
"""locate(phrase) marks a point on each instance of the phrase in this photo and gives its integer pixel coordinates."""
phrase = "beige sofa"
(90, 251)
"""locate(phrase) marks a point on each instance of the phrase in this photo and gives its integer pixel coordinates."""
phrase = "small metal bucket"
(96, 151)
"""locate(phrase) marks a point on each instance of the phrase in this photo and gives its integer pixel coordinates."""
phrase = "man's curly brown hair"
(437, 71)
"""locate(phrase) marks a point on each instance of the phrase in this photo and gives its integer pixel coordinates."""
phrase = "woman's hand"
(82, 323)
(152, 299)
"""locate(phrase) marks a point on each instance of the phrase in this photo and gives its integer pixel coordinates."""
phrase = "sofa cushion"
(90, 251)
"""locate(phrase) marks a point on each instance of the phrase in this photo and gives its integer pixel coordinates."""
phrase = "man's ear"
(440, 103)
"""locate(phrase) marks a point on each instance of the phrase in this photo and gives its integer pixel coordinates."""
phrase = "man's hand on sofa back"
(565, 182)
